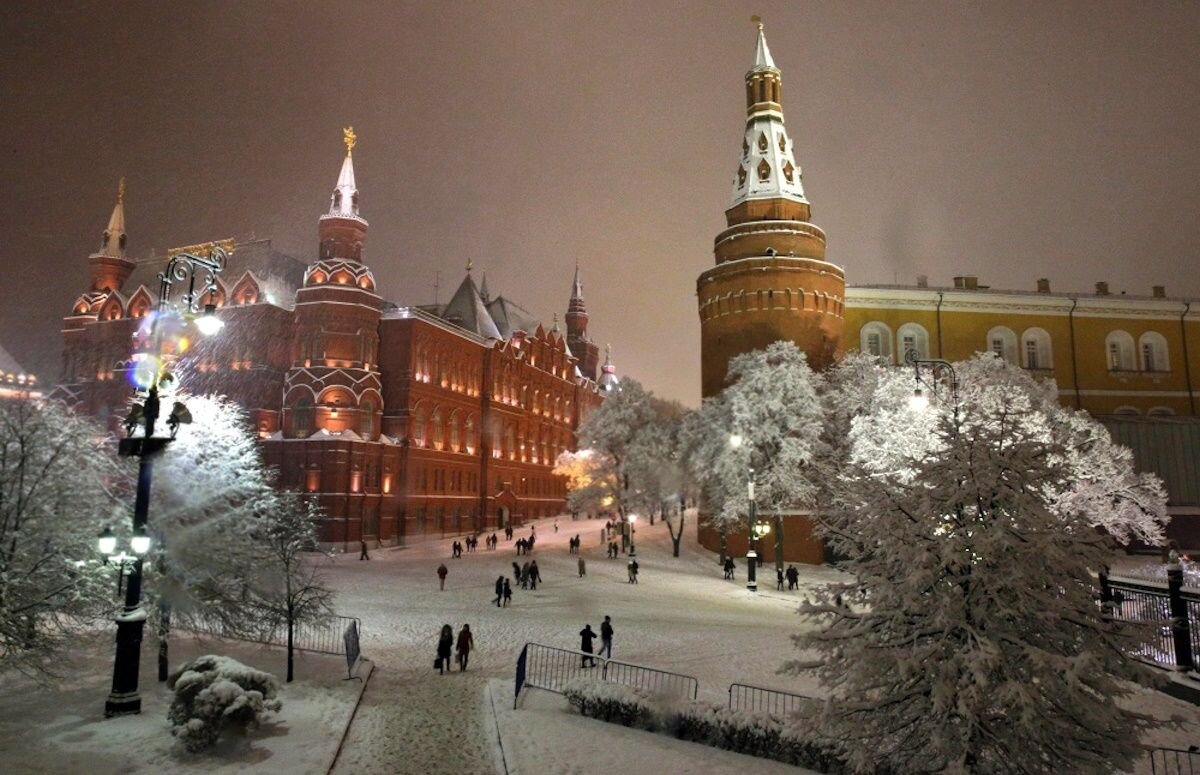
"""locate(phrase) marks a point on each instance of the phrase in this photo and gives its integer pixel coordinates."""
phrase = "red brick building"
(404, 421)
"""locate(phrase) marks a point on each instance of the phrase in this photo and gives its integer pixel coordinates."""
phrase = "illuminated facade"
(402, 421)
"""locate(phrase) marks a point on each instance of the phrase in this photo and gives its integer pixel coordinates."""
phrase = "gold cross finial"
(757, 20)
(350, 139)
(121, 190)
(469, 264)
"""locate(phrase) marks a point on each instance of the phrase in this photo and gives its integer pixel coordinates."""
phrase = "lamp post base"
(124, 698)
(751, 566)
(125, 704)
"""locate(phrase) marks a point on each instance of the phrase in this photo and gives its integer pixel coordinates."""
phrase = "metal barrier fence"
(326, 636)
(1175, 761)
(1172, 609)
(552, 668)
(756, 698)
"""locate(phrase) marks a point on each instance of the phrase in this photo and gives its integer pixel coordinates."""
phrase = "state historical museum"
(405, 422)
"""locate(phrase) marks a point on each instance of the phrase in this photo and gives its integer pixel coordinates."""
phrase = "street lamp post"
(199, 269)
(632, 548)
(919, 401)
(754, 529)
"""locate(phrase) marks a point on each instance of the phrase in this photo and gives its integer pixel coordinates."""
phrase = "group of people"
(573, 544)
(613, 550)
(527, 575)
(461, 648)
(587, 638)
(503, 591)
(525, 545)
(792, 575)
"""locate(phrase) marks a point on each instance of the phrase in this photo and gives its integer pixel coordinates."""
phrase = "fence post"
(520, 679)
(1180, 628)
(1106, 596)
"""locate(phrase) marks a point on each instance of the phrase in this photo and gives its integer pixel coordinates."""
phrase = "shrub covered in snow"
(213, 692)
(755, 734)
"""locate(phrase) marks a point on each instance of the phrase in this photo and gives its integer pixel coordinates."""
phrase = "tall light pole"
(632, 548)
(199, 269)
(754, 528)
(919, 401)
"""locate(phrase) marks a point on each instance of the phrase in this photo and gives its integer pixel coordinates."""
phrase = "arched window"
(913, 338)
(1161, 411)
(455, 439)
(1118, 346)
(418, 431)
(510, 445)
(302, 418)
(1153, 347)
(1002, 342)
(1036, 350)
(366, 419)
(469, 435)
(876, 339)
(439, 431)
(1126, 411)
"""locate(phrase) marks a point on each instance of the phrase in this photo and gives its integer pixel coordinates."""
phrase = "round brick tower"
(771, 281)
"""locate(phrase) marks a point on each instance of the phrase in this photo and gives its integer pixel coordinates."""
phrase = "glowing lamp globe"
(919, 402)
(140, 543)
(145, 373)
(107, 542)
(209, 323)
(736, 440)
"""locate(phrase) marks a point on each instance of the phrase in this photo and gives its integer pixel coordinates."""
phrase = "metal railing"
(326, 636)
(1175, 761)
(1171, 609)
(552, 668)
(758, 699)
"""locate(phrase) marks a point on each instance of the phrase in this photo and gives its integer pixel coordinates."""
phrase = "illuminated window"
(366, 420)
(302, 418)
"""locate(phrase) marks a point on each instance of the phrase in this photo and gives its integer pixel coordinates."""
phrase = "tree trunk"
(724, 547)
(291, 624)
(778, 542)
(164, 631)
(676, 536)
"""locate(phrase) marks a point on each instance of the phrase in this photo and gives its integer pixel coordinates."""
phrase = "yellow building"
(1109, 354)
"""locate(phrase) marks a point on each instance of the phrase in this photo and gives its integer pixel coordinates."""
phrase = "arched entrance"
(503, 517)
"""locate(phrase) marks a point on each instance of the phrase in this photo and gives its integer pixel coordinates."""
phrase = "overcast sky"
(1011, 140)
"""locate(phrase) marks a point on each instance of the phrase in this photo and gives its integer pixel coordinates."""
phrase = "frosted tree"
(655, 469)
(610, 430)
(60, 485)
(773, 405)
(969, 639)
(591, 481)
(286, 588)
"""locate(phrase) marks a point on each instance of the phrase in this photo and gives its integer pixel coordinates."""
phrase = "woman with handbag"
(445, 644)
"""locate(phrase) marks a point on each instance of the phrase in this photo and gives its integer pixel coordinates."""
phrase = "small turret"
(577, 337)
(342, 230)
(109, 266)
(608, 376)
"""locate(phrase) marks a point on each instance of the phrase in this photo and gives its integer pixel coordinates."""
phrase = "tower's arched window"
(510, 444)
(876, 339)
(366, 419)
(1118, 346)
(455, 438)
(418, 430)
(913, 338)
(302, 418)
(469, 435)
(439, 438)
(1153, 347)
(1002, 342)
(1036, 351)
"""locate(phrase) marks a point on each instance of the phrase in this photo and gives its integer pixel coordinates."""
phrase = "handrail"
(1175, 761)
(552, 667)
(777, 702)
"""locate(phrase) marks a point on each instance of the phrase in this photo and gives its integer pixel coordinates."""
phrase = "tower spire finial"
(350, 139)
(469, 265)
(121, 191)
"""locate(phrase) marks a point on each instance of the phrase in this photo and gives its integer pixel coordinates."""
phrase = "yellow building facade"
(1108, 354)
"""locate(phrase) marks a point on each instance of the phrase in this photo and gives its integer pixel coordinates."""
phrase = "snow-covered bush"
(754, 734)
(214, 692)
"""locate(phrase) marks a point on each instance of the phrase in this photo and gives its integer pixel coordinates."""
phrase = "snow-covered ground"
(62, 729)
(682, 616)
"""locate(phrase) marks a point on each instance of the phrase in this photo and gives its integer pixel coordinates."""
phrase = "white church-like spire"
(113, 241)
(762, 55)
(343, 203)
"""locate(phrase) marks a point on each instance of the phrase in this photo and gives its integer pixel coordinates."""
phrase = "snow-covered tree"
(969, 639)
(591, 482)
(772, 404)
(655, 470)
(610, 430)
(60, 485)
(287, 588)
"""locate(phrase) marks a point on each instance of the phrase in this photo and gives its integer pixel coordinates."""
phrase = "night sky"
(1009, 140)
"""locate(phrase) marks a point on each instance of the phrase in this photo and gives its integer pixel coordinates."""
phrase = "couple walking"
(462, 648)
(587, 636)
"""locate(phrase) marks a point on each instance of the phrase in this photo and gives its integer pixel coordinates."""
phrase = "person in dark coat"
(445, 644)
(779, 578)
(587, 636)
(729, 567)
(516, 573)
(535, 575)
(633, 571)
(793, 577)
(582, 567)
(606, 635)
(441, 571)
(363, 554)
(462, 648)
(507, 593)
(499, 590)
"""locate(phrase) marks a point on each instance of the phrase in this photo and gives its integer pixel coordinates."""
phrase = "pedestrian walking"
(535, 575)
(499, 589)
(462, 648)
(729, 567)
(507, 593)
(442, 575)
(606, 633)
(582, 567)
(494, 540)
(445, 643)
(516, 573)
(793, 577)
(603, 535)
(586, 637)
(525, 575)
(556, 526)
(779, 578)
(633, 571)
(362, 555)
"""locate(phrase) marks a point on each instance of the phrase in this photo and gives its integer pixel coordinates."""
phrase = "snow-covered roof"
(511, 317)
(466, 309)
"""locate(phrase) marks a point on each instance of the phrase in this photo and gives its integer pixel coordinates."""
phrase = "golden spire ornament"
(469, 265)
(350, 139)
(756, 19)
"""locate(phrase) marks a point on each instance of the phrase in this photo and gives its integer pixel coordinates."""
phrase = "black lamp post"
(754, 528)
(199, 269)
(919, 400)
